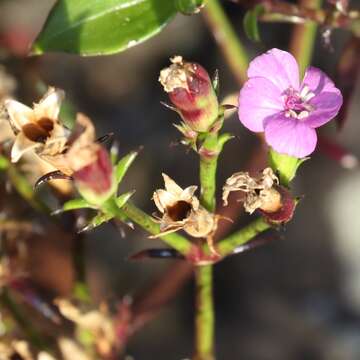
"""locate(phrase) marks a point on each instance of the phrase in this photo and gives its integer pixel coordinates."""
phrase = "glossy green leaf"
(123, 165)
(251, 22)
(99, 27)
(284, 165)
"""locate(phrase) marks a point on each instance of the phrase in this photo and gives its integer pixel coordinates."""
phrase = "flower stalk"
(229, 244)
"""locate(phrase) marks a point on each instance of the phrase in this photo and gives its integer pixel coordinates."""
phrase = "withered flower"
(263, 193)
(97, 321)
(37, 128)
(86, 161)
(182, 211)
(259, 193)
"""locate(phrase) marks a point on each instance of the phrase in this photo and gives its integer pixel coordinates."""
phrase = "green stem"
(228, 245)
(227, 39)
(204, 321)
(205, 318)
(138, 216)
(209, 154)
(304, 36)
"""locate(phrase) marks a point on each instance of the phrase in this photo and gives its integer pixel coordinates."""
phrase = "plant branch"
(176, 241)
(209, 154)
(227, 39)
(228, 245)
(303, 38)
(204, 320)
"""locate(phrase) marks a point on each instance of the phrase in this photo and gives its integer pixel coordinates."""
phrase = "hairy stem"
(303, 38)
(227, 39)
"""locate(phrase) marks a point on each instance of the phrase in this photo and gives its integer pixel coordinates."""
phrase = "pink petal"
(259, 98)
(327, 100)
(326, 105)
(290, 136)
(279, 66)
(318, 81)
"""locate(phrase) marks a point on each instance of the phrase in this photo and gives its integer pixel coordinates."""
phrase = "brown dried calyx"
(259, 193)
(275, 202)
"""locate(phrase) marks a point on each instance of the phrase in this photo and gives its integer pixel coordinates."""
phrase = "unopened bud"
(95, 181)
(191, 91)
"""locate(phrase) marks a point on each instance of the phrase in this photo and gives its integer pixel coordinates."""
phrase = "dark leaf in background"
(157, 254)
(92, 27)
(347, 74)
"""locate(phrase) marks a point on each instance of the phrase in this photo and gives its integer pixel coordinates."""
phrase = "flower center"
(297, 103)
(179, 211)
(38, 131)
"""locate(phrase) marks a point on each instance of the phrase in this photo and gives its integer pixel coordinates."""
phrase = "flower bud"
(95, 181)
(191, 91)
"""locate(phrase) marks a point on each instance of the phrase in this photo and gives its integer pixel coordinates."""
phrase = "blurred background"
(297, 297)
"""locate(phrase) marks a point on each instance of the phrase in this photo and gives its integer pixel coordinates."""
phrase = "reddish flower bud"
(191, 91)
(95, 181)
(284, 211)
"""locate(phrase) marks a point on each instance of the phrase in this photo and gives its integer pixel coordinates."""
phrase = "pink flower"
(273, 101)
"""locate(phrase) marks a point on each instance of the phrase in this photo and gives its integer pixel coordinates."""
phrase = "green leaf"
(76, 204)
(251, 22)
(73, 204)
(123, 198)
(100, 27)
(124, 164)
(97, 220)
(284, 165)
